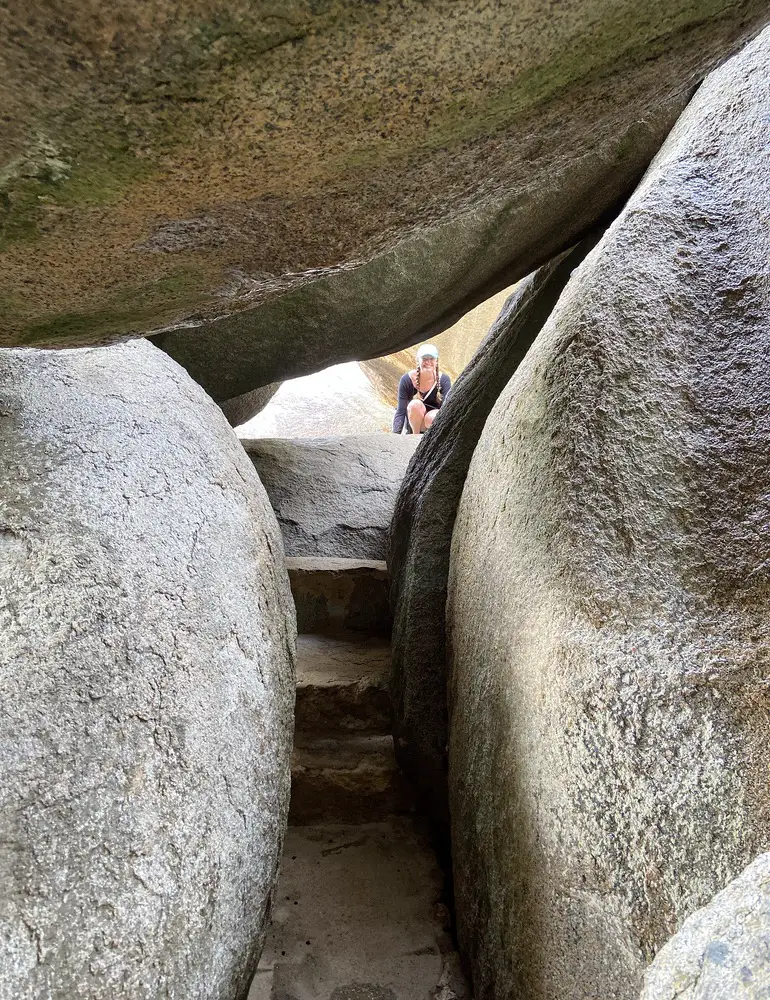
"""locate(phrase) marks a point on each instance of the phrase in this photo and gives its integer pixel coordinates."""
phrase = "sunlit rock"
(721, 950)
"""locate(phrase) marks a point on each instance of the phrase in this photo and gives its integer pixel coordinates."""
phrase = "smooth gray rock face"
(333, 496)
(609, 587)
(242, 408)
(421, 530)
(146, 684)
(721, 952)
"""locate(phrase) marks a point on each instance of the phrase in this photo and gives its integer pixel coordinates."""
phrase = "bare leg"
(430, 416)
(415, 411)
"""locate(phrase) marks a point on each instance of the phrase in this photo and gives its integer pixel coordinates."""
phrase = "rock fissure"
(359, 905)
(575, 656)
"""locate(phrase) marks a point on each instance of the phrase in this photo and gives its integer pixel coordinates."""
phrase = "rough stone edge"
(679, 965)
(422, 524)
(333, 564)
(239, 409)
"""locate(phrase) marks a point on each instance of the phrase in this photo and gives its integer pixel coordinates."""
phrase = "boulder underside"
(286, 189)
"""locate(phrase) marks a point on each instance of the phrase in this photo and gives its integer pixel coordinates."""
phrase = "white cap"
(427, 351)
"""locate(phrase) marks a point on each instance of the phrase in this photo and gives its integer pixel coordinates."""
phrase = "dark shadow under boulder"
(421, 529)
(239, 409)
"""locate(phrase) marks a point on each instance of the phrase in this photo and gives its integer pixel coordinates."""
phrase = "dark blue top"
(407, 392)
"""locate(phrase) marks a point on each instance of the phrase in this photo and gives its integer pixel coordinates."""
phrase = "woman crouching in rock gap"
(421, 393)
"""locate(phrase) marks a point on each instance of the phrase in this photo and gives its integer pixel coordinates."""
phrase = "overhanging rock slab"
(286, 190)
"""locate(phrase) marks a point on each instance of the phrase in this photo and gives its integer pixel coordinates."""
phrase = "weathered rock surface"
(609, 584)
(333, 496)
(721, 952)
(240, 409)
(457, 345)
(146, 684)
(342, 684)
(421, 531)
(334, 596)
(286, 188)
(355, 780)
(358, 917)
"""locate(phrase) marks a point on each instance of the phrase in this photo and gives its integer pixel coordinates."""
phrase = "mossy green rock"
(281, 186)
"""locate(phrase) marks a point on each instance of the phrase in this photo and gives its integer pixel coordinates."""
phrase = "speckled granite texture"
(146, 684)
(333, 496)
(721, 952)
(317, 180)
(609, 583)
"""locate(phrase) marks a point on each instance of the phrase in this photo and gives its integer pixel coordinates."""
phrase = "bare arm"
(405, 393)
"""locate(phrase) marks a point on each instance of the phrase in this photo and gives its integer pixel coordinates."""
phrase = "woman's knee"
(415, 407)
(430, 416)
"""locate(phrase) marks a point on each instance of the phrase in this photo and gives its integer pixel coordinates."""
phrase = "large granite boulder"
(609, 583)
(146, 684)
(721, 952)
(333, 496)
(421, 531)
(289, 186)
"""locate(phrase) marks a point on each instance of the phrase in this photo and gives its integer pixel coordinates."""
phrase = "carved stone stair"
(358, 914)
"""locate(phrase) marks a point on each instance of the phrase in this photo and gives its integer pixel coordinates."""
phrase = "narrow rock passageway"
(358, 912)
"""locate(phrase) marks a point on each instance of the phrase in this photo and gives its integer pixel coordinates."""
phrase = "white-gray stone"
(609, 583)
(338, 400)
(240, 409)
(333, 496)
(721, 952)
(146, 684)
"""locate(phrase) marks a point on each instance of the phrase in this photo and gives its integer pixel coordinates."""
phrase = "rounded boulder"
(146, 684)
(608, 590)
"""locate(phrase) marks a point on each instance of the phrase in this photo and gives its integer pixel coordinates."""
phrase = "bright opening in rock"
(360, 397)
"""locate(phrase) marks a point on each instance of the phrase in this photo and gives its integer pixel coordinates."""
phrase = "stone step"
(342, 684)
(347, 779)
(340, 595)
(358, 915)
